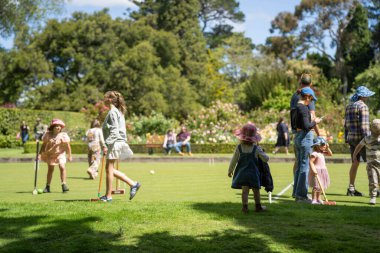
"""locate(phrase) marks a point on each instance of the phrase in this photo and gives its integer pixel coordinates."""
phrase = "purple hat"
(248, 133)
(57, 122)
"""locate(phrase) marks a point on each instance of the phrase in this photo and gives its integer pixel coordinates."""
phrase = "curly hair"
(117, 100)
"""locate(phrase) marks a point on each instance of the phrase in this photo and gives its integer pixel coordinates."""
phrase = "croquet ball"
(40, 191)
(152, 172)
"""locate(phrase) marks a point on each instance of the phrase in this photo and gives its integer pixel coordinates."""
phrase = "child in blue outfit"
(244, 166)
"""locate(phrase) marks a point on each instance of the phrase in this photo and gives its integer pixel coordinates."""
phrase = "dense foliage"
(182, 62)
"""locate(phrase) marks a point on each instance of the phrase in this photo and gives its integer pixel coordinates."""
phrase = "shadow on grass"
(46, 234)
(42, 234)
(81, 178)
(309, 228)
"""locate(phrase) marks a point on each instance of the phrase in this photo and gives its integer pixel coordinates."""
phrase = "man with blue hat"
(305, 82)
(303, 141)
(356, 127)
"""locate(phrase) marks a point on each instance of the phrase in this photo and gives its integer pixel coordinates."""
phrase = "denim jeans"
(303, 141)
(169, 147)
(179, 145)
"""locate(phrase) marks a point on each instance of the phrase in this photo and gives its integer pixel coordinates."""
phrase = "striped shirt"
(356, 123)
(372, 144)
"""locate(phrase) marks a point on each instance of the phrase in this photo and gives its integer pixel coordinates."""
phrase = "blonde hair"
(95, 123)
(117, 100)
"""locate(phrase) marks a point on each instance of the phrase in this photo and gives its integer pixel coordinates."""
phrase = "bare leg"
(244, 195)
(244, 198)
(353, 172)
(49, 174)
(109, 177)
(63, 173)
(256, 196)
(120, 175)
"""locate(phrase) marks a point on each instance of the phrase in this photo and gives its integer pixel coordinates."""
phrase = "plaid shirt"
(356, 122)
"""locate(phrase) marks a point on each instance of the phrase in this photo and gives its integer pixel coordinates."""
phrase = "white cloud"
(101, 3)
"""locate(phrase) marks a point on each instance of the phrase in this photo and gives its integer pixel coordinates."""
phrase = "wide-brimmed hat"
(248, 133)
(318, 141)
(308, 91)
(362, 91)
(375, 127)
(57, 122)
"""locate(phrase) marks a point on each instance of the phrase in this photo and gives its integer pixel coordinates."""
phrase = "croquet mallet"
(100, 179)
(117, 190)
(329, 203)
(36, 169)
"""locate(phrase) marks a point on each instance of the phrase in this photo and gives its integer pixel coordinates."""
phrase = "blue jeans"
(303, 141)
(179, 145)
(169, 147)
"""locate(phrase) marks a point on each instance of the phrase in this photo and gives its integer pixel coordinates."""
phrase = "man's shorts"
(361, 154)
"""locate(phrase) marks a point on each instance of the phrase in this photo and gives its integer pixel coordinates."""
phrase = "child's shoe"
(90, 174)
(105, 199)
(260, 208)
(65, 188)
(372, 201)
(316, 202)
(47, 189)
(134, 190)
(244, 209)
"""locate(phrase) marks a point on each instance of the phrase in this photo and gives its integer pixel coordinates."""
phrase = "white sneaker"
(372, 201)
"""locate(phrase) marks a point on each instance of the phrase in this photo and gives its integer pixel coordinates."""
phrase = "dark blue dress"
(246, 171)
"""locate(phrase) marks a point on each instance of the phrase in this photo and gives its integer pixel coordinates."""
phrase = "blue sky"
(258, 14)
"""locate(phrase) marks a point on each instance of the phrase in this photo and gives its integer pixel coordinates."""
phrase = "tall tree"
(219, 12)
(356, 43)
(323, 25)
(15, 14)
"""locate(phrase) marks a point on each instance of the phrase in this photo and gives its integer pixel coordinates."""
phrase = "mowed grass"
(183, 207)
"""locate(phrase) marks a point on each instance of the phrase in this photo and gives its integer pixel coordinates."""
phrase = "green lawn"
(183, 207)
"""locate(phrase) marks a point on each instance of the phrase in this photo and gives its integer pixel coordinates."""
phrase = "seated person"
(183, 139)
(169, 141)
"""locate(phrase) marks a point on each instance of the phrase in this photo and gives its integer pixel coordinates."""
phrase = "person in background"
(95, 143)
(303, 141)
(24, 131)
(356, 126)
(183, 139)
(282, 136)
(169, 141)
(39, 129)
(305, 81)
(372, 144)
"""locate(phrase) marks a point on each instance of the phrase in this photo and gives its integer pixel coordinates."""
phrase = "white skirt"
(119, 150)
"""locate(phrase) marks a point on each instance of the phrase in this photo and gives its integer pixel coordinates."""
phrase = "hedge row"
(10, 120)
(81, 148)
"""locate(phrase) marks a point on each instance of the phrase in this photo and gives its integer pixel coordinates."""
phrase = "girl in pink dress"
(55, 147)
(318, 168)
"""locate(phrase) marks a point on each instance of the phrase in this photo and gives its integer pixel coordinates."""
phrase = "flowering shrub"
(215, 124)
(96, 111)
